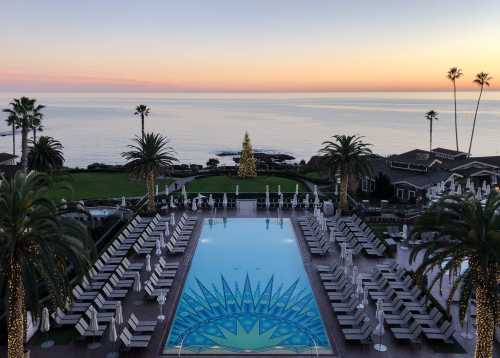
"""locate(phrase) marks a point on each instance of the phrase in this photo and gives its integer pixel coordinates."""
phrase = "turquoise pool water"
(247, 292)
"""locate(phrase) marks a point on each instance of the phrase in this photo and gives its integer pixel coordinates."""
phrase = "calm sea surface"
(96, 127)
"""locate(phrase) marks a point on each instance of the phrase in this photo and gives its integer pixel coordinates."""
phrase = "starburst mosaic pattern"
(235, 308)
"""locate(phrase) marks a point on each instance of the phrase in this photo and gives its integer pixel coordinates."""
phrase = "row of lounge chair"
(406, 308)
(359, 237)
(317, 240)
(355, 324)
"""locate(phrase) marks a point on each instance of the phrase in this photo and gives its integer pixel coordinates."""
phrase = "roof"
(423, 181)
(467, 172)
(417, 157)
(418, 180)
(449, 152)
(6, 156)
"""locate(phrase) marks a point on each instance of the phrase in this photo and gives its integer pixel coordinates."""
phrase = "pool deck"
(135, 302)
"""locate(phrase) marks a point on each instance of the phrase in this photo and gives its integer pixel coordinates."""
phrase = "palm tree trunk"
(485, 324)
(430, 135)
(150, 182)
(13, 139)
(474, 123)
(16, 329)
(142, 125)
(24, 148)
(344, 184)
(455, 101)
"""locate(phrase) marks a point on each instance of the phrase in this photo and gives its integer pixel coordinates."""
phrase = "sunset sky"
(258, 45)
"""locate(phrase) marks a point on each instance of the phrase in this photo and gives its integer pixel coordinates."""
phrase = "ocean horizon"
(97, 126)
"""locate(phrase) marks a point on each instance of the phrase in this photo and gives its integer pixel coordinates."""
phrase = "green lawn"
(102, 186)
(255, 185)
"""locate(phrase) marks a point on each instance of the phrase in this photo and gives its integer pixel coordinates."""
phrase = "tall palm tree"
(27, 115)
(431, 116)
(463, 231)
(46, 155)
(36, 125)
(482, 79)
(143, 111)
(36, 246)
(348, 156)
(146, 158)
(453, 75)
(12, 121)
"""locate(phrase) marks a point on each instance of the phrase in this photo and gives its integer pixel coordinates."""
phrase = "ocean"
(97, 127)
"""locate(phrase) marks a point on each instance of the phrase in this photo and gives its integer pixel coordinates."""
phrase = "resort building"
(413, 172)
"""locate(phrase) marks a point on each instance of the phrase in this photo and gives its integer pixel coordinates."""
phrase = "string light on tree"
(247, 168)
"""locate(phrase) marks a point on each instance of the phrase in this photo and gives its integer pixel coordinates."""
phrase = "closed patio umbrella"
(93, 327)
(148, 263)
(483, 187)
(306, 201)
(316, 200)
(124, 203)
(279, 189)
(315, 192)
(112, 337)
(183, 190)
(119, 313)
(157, 190)
(211, 201)
(280, 201)
(488, 190)
(354, 274)
(359, 292)
(472, 187)
(379, 330)
(332, 236)
(137, 282)
(224, 201)
(267, 190)
(172, 205)
(294, 201)
(459, 189)
(479, 195)
(268, 203)
(296, 189)
(193, 205)
(172, 219)
(166, 233)
(45, 327)
(237, 191)
(158, 247)
(166, 190)
(161, 301)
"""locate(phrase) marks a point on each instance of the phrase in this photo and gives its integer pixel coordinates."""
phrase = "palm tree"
(36, 246)
(431, 116)
(453, 74)
(46, 155)
(12, 121)
(146, 158)
(347, 156)
(27, 115)
(463, 231)
(482, 79)
(36, 125)
(143, 111)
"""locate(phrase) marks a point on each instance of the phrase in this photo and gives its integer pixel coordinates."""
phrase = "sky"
(257, 45)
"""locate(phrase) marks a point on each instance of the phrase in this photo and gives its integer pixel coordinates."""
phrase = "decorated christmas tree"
(247, 161)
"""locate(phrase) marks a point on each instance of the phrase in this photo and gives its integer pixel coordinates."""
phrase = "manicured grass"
(102, 186)
(254, 185)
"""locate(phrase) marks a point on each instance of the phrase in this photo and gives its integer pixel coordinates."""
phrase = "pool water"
(247, 292)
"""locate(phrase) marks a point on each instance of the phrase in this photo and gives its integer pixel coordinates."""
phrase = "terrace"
(145, 307)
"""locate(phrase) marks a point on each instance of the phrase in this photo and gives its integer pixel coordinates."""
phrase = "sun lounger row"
(354, 322)
(406, 308)
(317, 240)
(354, 228)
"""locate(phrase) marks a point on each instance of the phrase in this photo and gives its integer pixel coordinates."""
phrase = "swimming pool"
(247, 292)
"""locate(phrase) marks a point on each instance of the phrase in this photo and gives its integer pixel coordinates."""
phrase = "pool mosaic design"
(247, 292)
